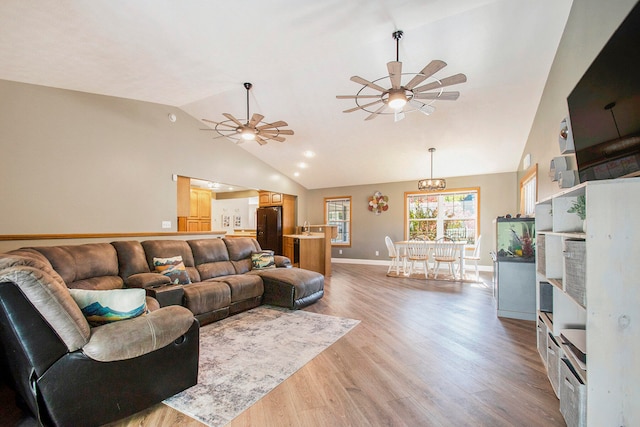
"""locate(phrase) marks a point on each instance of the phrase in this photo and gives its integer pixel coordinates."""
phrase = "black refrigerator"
(269, 228)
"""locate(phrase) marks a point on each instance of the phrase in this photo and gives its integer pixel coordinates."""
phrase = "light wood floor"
(426, 353)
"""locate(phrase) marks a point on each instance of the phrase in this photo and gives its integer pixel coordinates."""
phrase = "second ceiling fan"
(399, 98)
(252, 129)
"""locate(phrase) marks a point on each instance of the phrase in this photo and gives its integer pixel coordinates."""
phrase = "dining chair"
(475, 257)
(418, 252)
(444, 251)
(394, 256)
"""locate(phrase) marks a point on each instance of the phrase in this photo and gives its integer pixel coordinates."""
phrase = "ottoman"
(292, 288)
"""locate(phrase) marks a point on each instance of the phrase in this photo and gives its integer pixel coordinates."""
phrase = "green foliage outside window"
(453, 215)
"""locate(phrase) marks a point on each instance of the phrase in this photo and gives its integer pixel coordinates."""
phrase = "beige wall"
(590, 24)
(497, 197)
(74, 162)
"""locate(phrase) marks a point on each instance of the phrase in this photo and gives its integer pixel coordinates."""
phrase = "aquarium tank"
(515, 239)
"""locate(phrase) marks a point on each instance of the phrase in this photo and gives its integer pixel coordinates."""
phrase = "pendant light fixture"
(432, 184)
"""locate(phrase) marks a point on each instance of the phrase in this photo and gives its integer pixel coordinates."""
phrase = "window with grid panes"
(338, 213)
(454, 214)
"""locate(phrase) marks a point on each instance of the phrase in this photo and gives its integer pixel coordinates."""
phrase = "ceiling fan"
(399, 98)
(252, 129)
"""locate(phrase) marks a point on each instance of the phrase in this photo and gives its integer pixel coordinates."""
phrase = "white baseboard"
(467, 267)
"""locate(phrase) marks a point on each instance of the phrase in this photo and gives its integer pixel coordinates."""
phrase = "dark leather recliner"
(68, 373)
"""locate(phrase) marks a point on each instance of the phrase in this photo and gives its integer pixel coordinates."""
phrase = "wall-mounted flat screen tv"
(604, 107)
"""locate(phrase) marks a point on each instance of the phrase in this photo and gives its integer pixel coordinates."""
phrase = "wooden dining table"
(460, 247)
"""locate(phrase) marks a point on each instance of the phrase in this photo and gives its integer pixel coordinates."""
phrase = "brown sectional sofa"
(56, 359)
(220, 270)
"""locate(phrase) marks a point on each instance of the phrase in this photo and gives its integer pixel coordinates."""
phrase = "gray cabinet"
(516, 290)
(515, 268)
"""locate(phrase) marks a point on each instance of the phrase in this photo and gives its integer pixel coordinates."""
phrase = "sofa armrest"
(147, 280)
(127, 339)
(282, 261)
(167, 295)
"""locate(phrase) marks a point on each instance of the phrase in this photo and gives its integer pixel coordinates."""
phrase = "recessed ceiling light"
(296, 174)
(302, 165)
(309, 154)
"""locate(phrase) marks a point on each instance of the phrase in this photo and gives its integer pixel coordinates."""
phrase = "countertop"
(305, 236)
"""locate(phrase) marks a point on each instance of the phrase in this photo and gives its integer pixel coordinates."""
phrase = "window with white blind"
(529, 191)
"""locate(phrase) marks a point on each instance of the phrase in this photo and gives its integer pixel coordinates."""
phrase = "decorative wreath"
(378, 203)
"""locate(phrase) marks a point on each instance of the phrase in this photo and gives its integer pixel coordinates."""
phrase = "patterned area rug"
(247, 355)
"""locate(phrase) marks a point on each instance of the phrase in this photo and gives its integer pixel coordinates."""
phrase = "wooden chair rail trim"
(7, 237)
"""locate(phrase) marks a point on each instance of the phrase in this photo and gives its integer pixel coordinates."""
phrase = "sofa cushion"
(262, 260)
(169, 249)
(131, 258)
(211, 258)
(77, 263)
(29, 258)
(204, 297)
(173, 268)
(100, 307)
(53, 301)
(240, 250)
(243, 286)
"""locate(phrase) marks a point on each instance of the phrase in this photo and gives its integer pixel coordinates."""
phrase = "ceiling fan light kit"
(253, 129)
(405, 98)
(432, 184)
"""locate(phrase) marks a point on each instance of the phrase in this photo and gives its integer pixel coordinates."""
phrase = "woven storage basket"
(554, 354)
(575, 268)
(542, 339)
(573, 396)
(540, 251)
(546, 297)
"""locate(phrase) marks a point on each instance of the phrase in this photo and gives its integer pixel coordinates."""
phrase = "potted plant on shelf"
(579, 208)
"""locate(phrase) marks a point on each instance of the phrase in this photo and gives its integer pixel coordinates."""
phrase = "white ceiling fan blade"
(375, 113)
(430, 69)
(448, 81)
(278, 124)
(444, 96)
(233, 119)
(364, 82)
(357, 96)
(395, 73)
(360, 107)
(255, 119)
(426, 109)
(398, 115)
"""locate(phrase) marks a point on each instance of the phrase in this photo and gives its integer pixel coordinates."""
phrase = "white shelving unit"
(609, 258)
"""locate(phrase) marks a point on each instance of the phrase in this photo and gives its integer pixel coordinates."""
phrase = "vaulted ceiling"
(299, 55)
